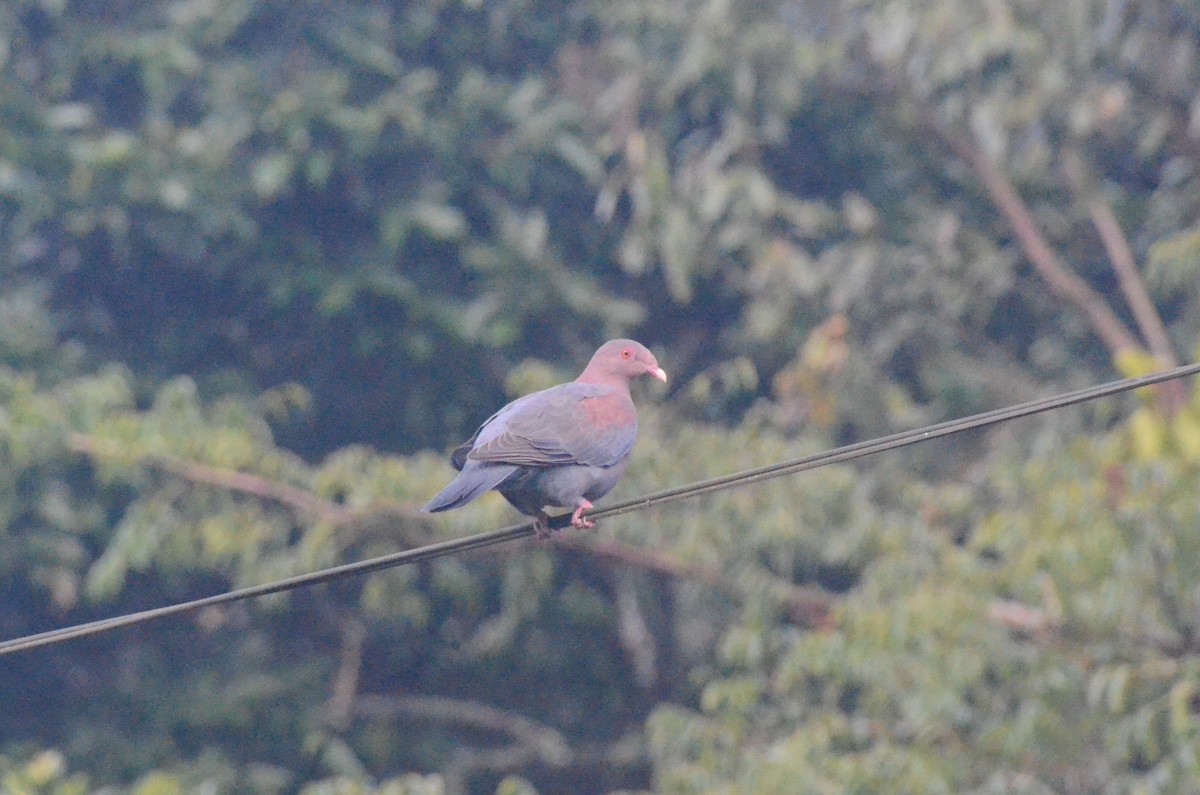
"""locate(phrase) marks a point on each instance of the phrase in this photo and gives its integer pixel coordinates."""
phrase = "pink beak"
(658, 373)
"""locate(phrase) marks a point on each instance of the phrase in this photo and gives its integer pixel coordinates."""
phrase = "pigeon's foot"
(541, 526)
(579, 520)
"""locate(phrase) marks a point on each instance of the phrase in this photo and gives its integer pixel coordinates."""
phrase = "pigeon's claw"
(541, 526)
(579, 520)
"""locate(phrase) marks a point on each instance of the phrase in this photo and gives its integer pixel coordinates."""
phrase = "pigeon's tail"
(469, 484)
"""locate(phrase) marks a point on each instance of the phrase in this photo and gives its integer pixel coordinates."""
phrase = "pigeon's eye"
(626, 353)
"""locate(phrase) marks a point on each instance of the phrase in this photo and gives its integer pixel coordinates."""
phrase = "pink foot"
(579, 520)
(541, 526)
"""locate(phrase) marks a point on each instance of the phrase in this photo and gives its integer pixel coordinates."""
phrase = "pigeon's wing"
(492, 426)
(568, 424)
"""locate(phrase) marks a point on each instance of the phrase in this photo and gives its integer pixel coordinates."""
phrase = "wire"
(514, 532)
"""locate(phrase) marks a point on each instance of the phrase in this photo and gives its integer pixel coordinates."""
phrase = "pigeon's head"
(621, 360)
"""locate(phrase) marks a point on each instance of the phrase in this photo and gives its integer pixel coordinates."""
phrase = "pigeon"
(562, 447)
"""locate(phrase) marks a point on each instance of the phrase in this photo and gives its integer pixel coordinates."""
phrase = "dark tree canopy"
(264, 263)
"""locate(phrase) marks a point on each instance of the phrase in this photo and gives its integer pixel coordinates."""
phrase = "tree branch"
(345, 681)
(546, 743)
(1121, 256)
(1061, 279)
(534, 743)
(807, 605)
(302, 501)
(633, 630)
(1144, 313)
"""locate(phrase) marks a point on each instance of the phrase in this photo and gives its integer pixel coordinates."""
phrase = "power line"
(514, 532)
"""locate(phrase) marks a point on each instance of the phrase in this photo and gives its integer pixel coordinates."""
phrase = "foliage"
(1053, 652)
(262, 262)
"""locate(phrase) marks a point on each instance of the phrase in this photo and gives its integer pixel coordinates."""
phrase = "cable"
(514, 532)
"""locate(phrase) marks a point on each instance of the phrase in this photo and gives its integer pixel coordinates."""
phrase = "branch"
(298, 499)
(1121, 256)
(547, 744)
(807, 605)
(1022, 618)
(1173, 393)
(535, 743)
(625, 752)
(345, 681)
(1061, 279)
(633, 630)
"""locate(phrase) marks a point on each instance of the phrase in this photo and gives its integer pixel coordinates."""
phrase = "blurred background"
(264, 263)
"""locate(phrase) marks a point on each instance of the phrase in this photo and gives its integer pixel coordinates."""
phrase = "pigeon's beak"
(658, 373)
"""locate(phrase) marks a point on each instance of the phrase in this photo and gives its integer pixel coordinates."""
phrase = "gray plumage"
(562, 447)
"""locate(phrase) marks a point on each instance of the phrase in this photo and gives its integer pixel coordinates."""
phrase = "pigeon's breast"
(613, 411)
